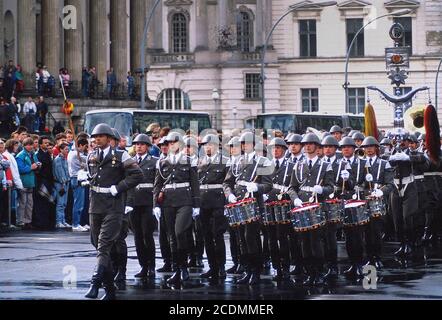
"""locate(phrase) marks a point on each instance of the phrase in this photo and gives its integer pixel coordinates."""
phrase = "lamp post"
(269, 36)
(143, 55)
(216, 98)
(437, 81)
(397, 13)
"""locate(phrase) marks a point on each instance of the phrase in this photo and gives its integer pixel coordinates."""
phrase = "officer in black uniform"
(139, 204)
(177, 191)
(252, 178)
(112, 173)
(212, 170)
(311, 177)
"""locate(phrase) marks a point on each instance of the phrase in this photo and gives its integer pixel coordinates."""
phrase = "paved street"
(32, 266)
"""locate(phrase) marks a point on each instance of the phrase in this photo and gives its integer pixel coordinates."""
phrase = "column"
(138, 15)
(27, 45)
(51, 35)
(268, 20)
(118, 34)
(202, 36)
(98, 40)
(73, 44)
(157, 26)
(260, 23)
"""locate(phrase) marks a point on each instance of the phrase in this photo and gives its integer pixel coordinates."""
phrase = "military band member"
(295, 148)
(311, 178)
(212, 170)
(177, 191)
(252, 178)
(337, 132)
(139, 203)
(112, 173)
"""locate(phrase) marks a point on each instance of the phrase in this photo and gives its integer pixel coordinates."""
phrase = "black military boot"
(142, 273)
(332, 272)
(167, 267)
(184, 274)
(150, 272)
(109, 287)
(241, 269)
(222, 272)
(428, 236)
(96, 282)
(378, 262)
(297, 270)
(232, 270)
(120, 279)
(408, 249)
(199, 263)
(208, 274)
(401, 250)
(310, 280)
(354, 272)
(246, 278)
(278, 276)
(175, 279)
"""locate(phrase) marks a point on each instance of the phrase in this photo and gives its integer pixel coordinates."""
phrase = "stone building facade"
(204, 55)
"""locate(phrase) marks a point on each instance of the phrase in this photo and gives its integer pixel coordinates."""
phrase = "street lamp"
(216, 97)
(437, 80)
(397, 13)
(269, 36)
(143, 55)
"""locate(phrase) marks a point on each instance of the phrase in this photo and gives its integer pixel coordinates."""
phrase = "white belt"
(420, 177)
(211, 186)
(100, 190)
(279, 187)
(145, 186)
(243, 183)
(307, 189)
(177, 185)
(405, 180)
(427, 174)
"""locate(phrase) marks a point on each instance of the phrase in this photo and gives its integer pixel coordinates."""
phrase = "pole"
(143, 55)
(437, 82)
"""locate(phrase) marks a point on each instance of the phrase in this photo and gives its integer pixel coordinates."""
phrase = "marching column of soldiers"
(302, 192)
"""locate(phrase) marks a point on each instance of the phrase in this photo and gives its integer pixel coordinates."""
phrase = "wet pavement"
(58, 265)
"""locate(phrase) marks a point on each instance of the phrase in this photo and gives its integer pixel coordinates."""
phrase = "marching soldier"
(295, 148)
(140, 202)
(311, 177)
(113, 173)
(358, 137)
(212, 170)
(279, 235)
(253, 177)
(177, 191)
(378, 184)
(336, 131)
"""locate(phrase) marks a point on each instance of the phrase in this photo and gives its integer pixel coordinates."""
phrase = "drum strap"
(359, 171)
(339, 171)
(379, 171)
(285, 173)
(256, 168)
(319, 173)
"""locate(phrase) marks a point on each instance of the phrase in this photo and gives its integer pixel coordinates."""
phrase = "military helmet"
(102, 129)
(335, 129)
(412, 138)
(311, 138)
(247, 137)
(162, 141)
(174, 137)
(330, 141)
(116, 134)
(190, 142)
(386, 142)
(233, 142)
(358, 136)
(369, 141)
(351, 133)
(142, 138)
(287, 137)
(294, 138)
(347, 142)
(278, 142)
(210, 138)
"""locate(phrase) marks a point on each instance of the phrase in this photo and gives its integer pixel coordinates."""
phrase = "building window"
(307, 38)
(353, 26)
(179, 33)
(173, 99)
(356, 100)
(244, 31)
(407, 40)
(310, 100)
(253, 86)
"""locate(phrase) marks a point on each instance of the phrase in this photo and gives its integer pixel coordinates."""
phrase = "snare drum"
(308, 217)
(243, 212)
(334, 210)
(356, 213)
(376, 207)
(282, 211)
(269, 215)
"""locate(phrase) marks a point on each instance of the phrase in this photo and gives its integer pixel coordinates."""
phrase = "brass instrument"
(414, 119)
(359, 152)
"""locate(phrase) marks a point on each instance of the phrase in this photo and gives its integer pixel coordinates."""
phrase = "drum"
(334, 210)
(243, 212)
(376, 207)
(269, 215)
(356, 213)
(308, 217)
(282, 211)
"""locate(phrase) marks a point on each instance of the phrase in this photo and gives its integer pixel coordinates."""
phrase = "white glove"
(128, 209)
(232, 198)
(265, 197)
(345, 175)
(252, 187)
(298, 203)
(318, 189)
(403, 156)
(378, 193)
(114, 191)
(195, 213)
(157, 213)
(82, 175)
(369, 178)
